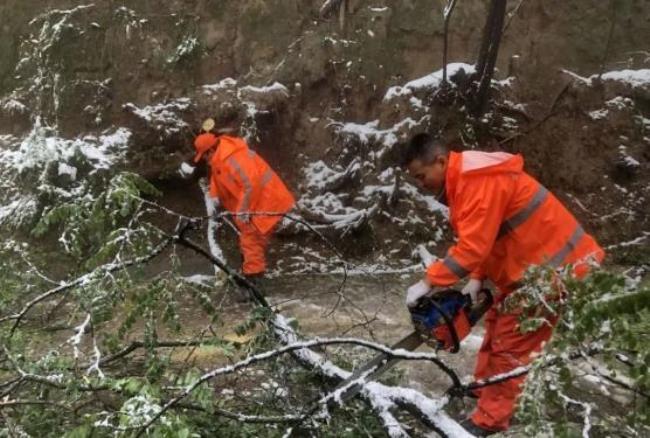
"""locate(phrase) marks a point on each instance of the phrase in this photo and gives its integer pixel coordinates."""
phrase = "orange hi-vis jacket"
(245, 183)
(505, 222)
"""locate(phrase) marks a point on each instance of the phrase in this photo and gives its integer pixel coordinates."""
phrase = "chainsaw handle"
(483, 303)
(450, 325)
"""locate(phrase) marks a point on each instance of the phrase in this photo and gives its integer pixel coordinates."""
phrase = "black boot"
(475, 430)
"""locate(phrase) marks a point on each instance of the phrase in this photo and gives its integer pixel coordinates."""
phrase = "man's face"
(429, 176)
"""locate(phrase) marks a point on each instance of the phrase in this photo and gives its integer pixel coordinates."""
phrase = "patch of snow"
(619, 103)
(164, 117)
(417, 103)
(18, 209)
(507, 82)
(386, 138)
(65, 169)
(185, 49)
(626, 158)
(319, 176)
(275, 87)
(13, 106)
(635, 78)
(515, 106)
(598, 114)
(200, 280)
(430, 201)
(428, 82)
(644, 122)
(42, 146)
(223, 84)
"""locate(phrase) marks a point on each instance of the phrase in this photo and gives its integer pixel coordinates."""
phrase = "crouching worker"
(505, 222)
(247, 187)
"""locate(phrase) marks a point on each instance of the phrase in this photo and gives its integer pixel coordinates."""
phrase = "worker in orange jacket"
(247, 187)
(505, 222)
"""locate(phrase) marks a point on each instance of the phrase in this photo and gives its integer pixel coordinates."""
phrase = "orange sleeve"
(481, 204)
(477, 274)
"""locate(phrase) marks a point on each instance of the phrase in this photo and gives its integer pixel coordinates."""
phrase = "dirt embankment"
(145, 66)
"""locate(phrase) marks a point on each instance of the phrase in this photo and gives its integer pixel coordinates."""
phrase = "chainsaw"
(441, 320)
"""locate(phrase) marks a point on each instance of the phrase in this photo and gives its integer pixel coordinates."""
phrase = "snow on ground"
(41, 149)
(164, 117)
(370, 132)
(42, 146)
(275, 87)
(628, 160)
(319, 176)
(428, 82)
(224, 84)
(634, 78)
(13, 106)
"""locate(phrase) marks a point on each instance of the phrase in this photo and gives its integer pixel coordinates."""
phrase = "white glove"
(186, 170)
(415, 292)
(471, 288)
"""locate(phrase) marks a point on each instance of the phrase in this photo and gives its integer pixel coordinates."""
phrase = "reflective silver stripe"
(522, 215)
(266, 178)
(251, 153)
(455, 267)
(248, 187)
(559, 257)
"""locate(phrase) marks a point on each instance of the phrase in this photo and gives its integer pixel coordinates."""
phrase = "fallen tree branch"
(376, 398)
(251, 360)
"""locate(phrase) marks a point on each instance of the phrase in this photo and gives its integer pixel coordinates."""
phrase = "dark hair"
(423, 147)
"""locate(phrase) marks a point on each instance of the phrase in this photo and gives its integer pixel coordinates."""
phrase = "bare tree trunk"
(488, 54)
(449, 9)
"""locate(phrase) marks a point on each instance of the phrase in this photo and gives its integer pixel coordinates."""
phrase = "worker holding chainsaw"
(505, 222)
(246, 187)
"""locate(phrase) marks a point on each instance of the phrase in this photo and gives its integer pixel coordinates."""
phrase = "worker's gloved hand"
(186, 170)
(415, 292)
(472, 288)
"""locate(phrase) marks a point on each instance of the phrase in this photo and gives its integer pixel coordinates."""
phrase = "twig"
(512, 14)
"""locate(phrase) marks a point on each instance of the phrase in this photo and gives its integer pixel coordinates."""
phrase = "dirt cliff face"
(294, 81)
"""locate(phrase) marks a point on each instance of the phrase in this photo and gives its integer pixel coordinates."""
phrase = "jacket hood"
(229, 145)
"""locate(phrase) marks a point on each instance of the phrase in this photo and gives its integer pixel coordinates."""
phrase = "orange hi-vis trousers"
(504, 349)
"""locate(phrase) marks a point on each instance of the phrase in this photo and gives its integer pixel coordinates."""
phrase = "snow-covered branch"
(301, 346)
